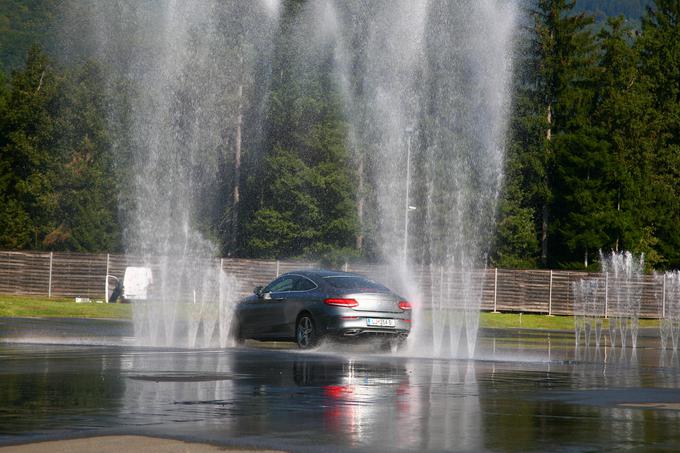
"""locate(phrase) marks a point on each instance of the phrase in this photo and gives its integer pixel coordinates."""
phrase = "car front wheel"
(305, 332)
(236, 332)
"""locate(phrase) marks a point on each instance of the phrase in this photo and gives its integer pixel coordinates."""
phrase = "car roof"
(322, 273)
(318, 275)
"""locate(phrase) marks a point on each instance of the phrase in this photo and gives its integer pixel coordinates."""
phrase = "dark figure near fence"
(117, 291)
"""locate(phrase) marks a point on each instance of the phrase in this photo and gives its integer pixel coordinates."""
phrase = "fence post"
(495, 290)
(550, 294)
(49, 279)
(9, 266)
(8, 278)
(606, 295)
(221, 264)
(106, 280)
(441, 285)
(663, 297)
(345, 267)
(277, 268)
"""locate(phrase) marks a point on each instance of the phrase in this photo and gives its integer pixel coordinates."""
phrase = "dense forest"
(632, 10)
(593, 150)
(593, 157)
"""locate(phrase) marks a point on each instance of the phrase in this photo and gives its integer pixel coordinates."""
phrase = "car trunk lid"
(375, 302)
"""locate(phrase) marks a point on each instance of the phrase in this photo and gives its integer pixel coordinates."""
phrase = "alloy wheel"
(304, 333)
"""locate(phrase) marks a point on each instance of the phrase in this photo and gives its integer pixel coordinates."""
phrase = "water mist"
(425, 86)
(427, 89)
(185, 64)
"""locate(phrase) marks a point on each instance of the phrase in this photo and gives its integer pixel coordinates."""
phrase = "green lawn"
(514, 320)
(42, 307)
(39, 307)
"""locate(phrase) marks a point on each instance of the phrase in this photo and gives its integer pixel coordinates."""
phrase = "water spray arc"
(185, 63)
(614, 295)
(670, 309)
(430, 104)
(624, 290)
(589, 310)
(425, 89)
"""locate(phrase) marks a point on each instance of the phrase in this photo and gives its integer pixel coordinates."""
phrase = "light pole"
(407, 206)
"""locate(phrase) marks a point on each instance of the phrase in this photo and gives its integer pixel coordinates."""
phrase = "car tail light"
(403, 305)
(349, 303)
(337, 391)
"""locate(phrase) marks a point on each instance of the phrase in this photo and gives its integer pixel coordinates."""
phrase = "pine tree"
(573, 147)
(304, 192)
(659, 46)
(57, 186)
(23, 24)
(553, 100)
(85, 182)
(623, 113)
(26, 163)
(517, 238)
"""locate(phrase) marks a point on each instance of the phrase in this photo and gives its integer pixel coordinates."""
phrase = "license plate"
(379, 322)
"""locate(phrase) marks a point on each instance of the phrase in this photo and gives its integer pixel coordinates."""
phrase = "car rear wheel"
(393, 344)
(305, 332)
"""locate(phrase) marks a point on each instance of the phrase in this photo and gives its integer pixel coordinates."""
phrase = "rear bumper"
(360, 334)
(357, 327)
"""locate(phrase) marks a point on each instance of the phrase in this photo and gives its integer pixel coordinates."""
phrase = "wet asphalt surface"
(527, 392)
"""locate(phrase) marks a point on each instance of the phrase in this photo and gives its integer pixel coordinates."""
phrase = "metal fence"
(55, 274)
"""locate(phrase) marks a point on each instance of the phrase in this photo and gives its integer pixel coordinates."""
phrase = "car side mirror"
(258, 291)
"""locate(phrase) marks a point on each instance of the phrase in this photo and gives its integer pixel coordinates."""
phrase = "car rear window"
(358, 283)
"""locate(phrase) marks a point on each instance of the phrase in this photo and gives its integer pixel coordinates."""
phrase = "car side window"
(280, 285)
(303, 284)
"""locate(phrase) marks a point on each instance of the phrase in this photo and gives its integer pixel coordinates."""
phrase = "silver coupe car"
(309, 306)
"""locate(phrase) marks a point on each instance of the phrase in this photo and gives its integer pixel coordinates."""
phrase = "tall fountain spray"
(589, 310)
(186, 63)
(425, 85)
(426, 89)
(670, 309)
(624, 274)
(616, 295)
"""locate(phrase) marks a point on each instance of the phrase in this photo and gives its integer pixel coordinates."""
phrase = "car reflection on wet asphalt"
(526, 392)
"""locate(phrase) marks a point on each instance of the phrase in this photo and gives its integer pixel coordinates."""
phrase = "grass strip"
(41, 307)
(536, 321)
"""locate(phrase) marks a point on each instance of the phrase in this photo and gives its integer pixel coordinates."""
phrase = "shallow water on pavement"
(528, 391)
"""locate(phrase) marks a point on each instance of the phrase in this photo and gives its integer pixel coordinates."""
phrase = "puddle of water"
(522, 394)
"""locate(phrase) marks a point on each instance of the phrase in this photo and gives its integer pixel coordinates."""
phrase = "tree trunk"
(360, 205)
(544, 235)
(236, 194)
(618, 212)
(545, 213)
